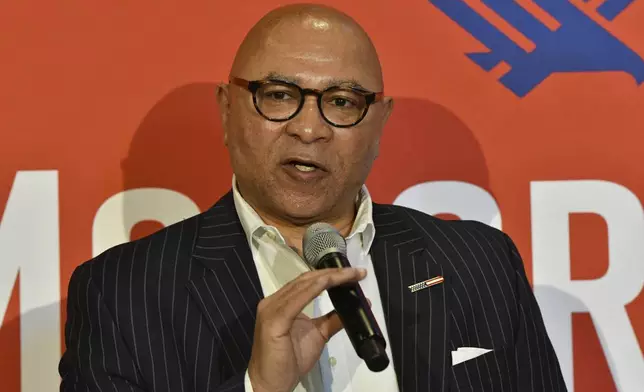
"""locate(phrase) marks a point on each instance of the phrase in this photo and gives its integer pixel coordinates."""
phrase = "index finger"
(295, 300)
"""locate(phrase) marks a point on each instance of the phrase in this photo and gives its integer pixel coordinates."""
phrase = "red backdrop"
(108, 97)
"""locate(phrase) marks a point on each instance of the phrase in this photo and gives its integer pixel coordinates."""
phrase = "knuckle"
(262, 307)
(325, 280)
(273, 330)
(309, 274)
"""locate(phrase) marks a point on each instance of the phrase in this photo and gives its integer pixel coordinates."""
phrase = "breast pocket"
(492, 371)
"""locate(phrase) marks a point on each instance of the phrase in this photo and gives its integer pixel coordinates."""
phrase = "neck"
(293, 232)
(293, 229)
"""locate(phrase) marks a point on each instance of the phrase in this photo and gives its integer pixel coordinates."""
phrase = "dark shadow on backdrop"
(424, 141)
(179, 146)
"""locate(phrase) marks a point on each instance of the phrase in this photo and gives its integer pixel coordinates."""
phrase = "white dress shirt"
(339, 368)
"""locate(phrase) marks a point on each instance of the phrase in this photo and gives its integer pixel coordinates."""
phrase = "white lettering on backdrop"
(604, 298)
(32, 212)
(117, 216)
(29, 246)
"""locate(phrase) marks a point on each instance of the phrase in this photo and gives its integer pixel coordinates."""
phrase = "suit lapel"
(416, 322)
(229, 290)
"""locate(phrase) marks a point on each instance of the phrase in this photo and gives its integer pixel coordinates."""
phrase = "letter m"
(29, 246)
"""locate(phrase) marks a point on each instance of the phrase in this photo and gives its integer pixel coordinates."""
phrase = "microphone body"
(348, 299)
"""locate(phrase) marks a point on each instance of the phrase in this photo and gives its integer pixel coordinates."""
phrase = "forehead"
(315, 53)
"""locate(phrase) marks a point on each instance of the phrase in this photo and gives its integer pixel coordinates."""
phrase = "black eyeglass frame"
(254, 85)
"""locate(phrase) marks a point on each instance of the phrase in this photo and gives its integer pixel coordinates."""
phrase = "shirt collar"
(251, 222)
(363, 224)
(254, 226)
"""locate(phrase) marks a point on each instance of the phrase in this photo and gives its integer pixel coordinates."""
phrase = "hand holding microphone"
(287, 343)
(325, 248)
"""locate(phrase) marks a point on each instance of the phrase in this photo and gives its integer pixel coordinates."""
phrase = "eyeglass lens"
(340, 106)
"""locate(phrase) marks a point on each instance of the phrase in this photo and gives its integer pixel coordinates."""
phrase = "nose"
(308, 125)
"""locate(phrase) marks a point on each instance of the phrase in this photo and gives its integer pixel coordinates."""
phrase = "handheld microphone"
(324, 247)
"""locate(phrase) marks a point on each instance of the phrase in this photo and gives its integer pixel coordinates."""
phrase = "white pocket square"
(463, 354)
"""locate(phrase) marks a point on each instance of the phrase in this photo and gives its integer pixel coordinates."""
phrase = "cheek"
(253, 140)
(357, 153)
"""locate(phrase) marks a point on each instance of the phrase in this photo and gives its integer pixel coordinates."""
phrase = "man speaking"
(226, 300)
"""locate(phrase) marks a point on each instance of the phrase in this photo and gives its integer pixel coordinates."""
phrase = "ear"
(388, 103)
(223, 101)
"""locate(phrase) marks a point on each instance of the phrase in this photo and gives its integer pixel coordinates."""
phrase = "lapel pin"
(427, 283)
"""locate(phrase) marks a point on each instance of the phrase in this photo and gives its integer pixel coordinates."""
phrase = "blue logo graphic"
(578, 45)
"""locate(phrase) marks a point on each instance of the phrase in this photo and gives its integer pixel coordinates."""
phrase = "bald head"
(305, 41)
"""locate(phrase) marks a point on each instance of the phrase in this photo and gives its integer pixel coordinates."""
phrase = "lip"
(306, 161)
(303, 177)
(320, 172)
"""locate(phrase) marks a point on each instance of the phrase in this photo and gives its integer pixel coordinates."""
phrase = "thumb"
(328, 324)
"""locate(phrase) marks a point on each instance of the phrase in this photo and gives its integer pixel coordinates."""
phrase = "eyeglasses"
(279, 101)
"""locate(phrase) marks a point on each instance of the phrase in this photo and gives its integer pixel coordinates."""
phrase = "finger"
(294, 284)
(273, 306)
(328, 324)
(298, 298)
(304, 280)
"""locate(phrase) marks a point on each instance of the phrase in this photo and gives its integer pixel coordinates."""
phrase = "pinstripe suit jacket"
(175, 311)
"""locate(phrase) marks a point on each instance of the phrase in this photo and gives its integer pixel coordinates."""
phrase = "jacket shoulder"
(135, 259)
(164, 253)
(429, 225)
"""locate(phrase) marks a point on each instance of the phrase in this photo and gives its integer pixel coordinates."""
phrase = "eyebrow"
(351, 83)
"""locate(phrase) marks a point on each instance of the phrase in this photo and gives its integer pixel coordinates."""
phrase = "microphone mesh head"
(319, 240)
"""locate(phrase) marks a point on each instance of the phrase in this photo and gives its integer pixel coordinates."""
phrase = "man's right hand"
(287, 343)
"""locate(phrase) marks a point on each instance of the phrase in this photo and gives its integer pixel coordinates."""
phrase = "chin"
(301, 214)
(302, 209)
